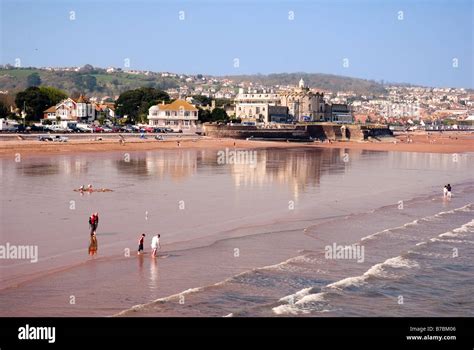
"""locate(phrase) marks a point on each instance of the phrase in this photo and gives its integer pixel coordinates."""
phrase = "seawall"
(322, 131)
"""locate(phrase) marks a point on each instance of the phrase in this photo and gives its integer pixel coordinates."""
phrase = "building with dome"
(303, 104)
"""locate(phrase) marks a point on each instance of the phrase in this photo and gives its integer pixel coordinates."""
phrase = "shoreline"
(459, 142)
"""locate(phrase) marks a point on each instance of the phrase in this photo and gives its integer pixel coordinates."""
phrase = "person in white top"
(155, 244)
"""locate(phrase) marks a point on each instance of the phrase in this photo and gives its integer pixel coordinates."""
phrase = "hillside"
(102, 83)
(322, 81)
(96, 81)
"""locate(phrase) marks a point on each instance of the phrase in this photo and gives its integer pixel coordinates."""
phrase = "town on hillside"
(198, 99)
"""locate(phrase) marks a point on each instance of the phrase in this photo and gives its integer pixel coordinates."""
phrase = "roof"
(82, 99)
(176, 106)
(51, 109)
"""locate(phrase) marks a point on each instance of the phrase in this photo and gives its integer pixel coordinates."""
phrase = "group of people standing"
(94, 223)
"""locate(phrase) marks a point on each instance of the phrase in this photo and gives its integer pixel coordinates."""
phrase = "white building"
(69, 110)
(254, 105)
(178, 115)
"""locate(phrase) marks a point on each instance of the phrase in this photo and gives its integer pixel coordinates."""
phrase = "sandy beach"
(454, 142)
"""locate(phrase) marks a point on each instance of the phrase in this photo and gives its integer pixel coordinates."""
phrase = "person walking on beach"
(155, 245)
(447, 191)
(448, 187)
(94, 222)
(140, 243)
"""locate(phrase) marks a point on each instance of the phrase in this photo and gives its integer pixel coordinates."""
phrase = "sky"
(420, 42)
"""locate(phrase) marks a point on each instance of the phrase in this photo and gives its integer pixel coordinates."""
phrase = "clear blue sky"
(418, 49)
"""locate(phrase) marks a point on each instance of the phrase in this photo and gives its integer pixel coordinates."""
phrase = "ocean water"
(238, 239)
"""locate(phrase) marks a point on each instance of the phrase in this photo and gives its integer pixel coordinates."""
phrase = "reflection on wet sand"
(153, 284)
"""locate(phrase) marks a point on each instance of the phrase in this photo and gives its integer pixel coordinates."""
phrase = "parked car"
(36, 128)
(84, 127)
(149, 129)
(97, 129)
(57, 128)
(106, 129)
(20, 128)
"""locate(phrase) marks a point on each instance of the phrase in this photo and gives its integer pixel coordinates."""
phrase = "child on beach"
(140, 243)
(155, 245)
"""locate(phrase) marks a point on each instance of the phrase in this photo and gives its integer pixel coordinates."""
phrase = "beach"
(242, 239)
(452, 142)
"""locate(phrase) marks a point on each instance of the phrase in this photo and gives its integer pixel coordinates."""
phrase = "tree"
(33, 80)
(55, 95)
(89, 82)
(35, 102)
(84, 82)
(3, 110)
(204, 115)
(135, 103)
(218, 114)
(203, 100)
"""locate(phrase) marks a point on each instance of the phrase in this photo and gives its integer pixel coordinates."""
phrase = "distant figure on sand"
(140, 243)
(89, 188)
(155, 245)
(93, 245)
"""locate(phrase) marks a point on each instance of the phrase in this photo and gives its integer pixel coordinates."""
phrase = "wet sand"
(228, 207)
(423, 142)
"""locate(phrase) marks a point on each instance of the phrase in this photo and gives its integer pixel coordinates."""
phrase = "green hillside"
(97, 82)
